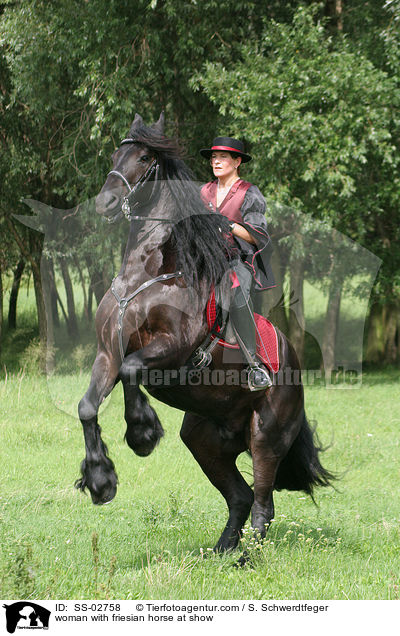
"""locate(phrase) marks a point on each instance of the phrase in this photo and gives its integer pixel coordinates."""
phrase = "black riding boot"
(243, 323)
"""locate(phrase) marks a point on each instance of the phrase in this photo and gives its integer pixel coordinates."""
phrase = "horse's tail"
(301, 468)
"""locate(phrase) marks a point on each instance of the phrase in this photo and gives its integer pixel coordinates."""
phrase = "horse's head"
(134, 165)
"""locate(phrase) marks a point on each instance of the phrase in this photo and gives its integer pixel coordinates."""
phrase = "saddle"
(266, 336)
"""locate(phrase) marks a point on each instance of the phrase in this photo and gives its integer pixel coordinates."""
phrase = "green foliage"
(82, 357)
(21, 571)
(319, 105)
(323, 125)
(74, 75)
(34, 357)
(314, 113)
(80, 70)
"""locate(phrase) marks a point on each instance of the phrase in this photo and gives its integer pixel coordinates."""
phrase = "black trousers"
(242, 295)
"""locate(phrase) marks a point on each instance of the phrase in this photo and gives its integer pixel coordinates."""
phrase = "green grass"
(154, 540)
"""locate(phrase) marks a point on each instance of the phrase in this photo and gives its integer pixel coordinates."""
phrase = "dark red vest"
(232, 203)
(256, 258)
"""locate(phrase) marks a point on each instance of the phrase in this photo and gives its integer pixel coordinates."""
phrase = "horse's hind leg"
(265, 466)
(217, 458)
(271, 435)
(97, 469)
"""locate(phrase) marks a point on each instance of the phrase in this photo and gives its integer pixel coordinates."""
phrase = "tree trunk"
(83, 285)
(331, 325)
(12, 306)
(96, 281)
(31, 247)
(46, 268)
(383, 333)
(296, 315)
(334, 10)
(53, 294)
(35, 249)
(64, 313)
(90, 303)
(375, 345)
(1, 307)
(40, 306)
(391, 334)
(72, 324)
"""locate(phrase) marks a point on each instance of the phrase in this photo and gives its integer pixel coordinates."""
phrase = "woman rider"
(243, 204)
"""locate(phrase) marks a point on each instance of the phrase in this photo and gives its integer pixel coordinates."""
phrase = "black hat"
(229, 144)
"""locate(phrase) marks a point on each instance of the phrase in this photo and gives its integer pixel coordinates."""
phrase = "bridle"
(126, 207)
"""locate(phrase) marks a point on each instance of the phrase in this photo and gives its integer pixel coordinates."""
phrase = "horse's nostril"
(106, 201)
(112, 201)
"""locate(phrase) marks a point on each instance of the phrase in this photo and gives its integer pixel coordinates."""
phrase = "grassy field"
(154, 540)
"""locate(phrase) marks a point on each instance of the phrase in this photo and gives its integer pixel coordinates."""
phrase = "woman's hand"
(241, 232)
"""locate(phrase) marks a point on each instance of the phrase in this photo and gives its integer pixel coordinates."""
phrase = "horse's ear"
(138, 121)
(159, 125)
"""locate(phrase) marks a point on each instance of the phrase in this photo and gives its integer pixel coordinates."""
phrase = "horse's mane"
(200, 238)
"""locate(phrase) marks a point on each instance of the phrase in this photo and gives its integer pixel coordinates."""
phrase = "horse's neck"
(147, 255)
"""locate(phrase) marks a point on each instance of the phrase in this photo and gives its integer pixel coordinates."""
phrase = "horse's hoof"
(243, 561)
(99, 502)
(102, 501)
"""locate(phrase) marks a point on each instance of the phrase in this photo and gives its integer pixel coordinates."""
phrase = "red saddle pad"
(266, 336)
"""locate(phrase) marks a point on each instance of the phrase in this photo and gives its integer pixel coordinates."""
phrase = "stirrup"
(258, 378)
(201, 358)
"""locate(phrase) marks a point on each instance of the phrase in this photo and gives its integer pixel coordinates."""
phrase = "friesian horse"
(153, 319)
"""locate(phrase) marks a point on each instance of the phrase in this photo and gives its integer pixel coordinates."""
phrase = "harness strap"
(203, 355)
(125, 206)
(124, 302)
(121, 176)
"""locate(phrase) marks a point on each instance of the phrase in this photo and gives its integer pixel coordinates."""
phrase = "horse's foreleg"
(217, 458)
(143, 428)
(98, 474)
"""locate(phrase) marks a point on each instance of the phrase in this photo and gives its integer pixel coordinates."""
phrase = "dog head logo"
(26, 615)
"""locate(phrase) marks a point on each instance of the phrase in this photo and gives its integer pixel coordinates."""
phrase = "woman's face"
(223, 164)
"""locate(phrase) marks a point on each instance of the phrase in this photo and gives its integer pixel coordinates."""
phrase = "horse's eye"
(145, 158)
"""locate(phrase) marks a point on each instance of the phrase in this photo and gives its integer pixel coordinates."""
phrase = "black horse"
(152, 319)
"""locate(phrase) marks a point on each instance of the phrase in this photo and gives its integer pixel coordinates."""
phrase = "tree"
(74, 74)
(322, 123)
